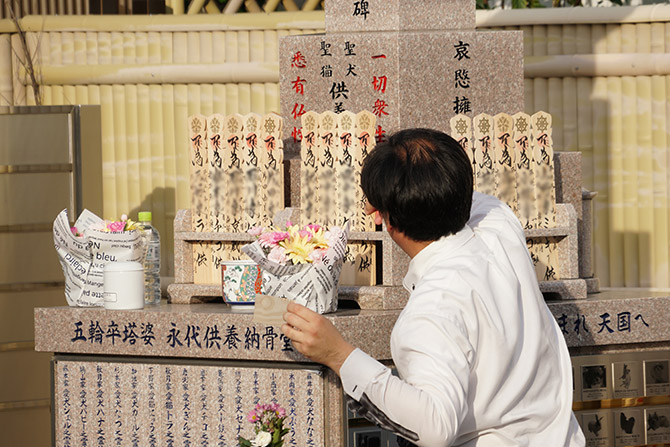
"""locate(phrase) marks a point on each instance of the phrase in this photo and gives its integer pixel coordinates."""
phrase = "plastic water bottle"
(152, 261)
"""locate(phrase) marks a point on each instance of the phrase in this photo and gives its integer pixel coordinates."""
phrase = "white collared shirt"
(481, 359)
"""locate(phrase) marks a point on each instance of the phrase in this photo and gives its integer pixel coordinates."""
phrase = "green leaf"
(243, 442)
(519, 4)
(483, 4)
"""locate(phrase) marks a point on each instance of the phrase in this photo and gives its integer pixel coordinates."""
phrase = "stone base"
(564, 289)
(592, 285)
(376, 297)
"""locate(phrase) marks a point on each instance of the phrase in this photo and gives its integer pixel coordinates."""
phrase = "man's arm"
(315, 337)
(427, 406)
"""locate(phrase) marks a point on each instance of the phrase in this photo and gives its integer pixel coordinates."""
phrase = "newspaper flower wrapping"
(312, 283)
(84, 249)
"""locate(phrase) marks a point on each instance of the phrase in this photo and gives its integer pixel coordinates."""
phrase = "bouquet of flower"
(302, 264)
(85, 248)
(268, 420)
(295, 244)
(109, 226)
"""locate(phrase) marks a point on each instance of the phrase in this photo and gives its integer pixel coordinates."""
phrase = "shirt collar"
(425, 259)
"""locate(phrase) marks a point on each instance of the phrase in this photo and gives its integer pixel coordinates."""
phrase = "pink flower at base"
(305, 234)
(270, 240)
(318, 254)
(313, 227)
(255, 231)
(116, 226)
(252, 416)
(278, 255)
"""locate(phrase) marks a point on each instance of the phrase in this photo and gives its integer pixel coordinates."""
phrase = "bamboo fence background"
(605, 80)
(22, 8)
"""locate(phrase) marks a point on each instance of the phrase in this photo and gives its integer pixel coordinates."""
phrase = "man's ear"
(378, 218)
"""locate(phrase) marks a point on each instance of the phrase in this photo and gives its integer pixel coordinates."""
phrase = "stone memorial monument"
(411, 63)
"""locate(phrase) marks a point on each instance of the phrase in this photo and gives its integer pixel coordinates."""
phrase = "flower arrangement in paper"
(268, 420)
(111, 226)
(295, 244)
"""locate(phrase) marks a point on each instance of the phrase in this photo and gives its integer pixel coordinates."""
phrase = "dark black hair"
(421, 179)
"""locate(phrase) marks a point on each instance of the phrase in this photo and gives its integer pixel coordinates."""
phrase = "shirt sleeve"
(427, 402)
(490, 213)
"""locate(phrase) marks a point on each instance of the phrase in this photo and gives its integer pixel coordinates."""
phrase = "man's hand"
(315, 337)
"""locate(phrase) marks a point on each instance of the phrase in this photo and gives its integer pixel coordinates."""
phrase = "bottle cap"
(144, 216)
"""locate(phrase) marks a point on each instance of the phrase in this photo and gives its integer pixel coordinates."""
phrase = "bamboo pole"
(243, 46)
(252, 6)
(529, 94)
(549, 16)
(91, 48)
(6, 77)
(290, 5)
(193, 48)
(271, 5)
(540, 94)
(284, 20)
(554, 96)
(629, 171)
(164, 177)
(219, 47)
(144, 141)
(153, 48)
(159, 74)
(141, 48)
(569, 125)
(593, 65)
(585, 129)
(109, 192)
(617, 228)
(645, 203)
(219, 99)
(539, 41)
(167, 48)
(181, 143)
(55, 48)
(57, 95)
(121, 166)
(129, 48)
(206, 47)
(232, 6)
(211, 8)
(613, 37)
(104, 49)
(94, 94)
(310, 5)
(568, 39)
(665, 136)
(69, 95)
(132, 147)
(554, 39)
(67, 48)
(232, 55)
(195, 6)
(206, 99)
(116, 47)
(46, 96)
(180, 48)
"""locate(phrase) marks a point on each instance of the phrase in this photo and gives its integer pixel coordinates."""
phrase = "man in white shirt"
(481, 360)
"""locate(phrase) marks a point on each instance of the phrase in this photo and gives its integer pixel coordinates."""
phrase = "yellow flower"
(319, 239)
(298, 249)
